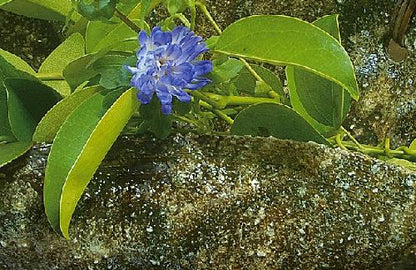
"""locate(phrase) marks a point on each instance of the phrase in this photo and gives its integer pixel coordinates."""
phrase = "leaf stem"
(219, 113)
(50, 76)
(193, 17)
(205, 11)
(207, 14)
(351, 137)
(127, 21)
(224, 101)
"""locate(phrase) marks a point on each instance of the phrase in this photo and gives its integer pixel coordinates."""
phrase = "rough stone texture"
(386, 108)
(30, 39)
(214, 203)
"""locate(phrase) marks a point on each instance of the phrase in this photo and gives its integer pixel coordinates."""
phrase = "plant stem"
(351, 137)
(209, 17)
(207, 14)
(219, 113)
(183, 19)
(50, 76)
(127, 21)
(224, 101)
(193, 17)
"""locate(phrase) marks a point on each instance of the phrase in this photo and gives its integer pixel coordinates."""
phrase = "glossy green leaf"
(17, 62)
(412, 146)
(101, 10)
(98, 33)
(67, 146)
(226, 71)
(113, 71)
(5, 129)
(120, 32)
(41, 9)
(75, 155)
(9, 68)
(285, 40)
(176, 6)
(27, 101)
(280, 121)
(246, 83)
(94, 151)
(49, 125)
(78, 71)
(323, 103)
(11, 151)
(71, 49)
(154, 121)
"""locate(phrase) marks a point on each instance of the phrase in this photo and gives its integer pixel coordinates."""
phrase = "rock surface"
(214, 203)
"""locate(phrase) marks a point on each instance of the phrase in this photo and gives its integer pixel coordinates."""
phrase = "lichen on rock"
(208, 202)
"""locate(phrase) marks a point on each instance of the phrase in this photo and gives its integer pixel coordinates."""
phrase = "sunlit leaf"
(11, 151)
(282, 40)
(280, 121)
(71, 49)
(55, 117)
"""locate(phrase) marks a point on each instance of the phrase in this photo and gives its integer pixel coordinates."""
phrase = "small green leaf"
(282, 40)
(120, 32)
(280, 121)
(323, 103)
(101, 10)
(76, 155)
(211, 42)
(17, 62)
(226, 71)
(41, 9)
(412, 146)
(11, 151)
(5, 129)
(246, 83)
(113, 71)
(154, 121)
(176, 6)
(78, 71)
(27, 102)
(71, 49)
(54, 118)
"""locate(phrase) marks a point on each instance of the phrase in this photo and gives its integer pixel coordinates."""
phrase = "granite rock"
(210, 202)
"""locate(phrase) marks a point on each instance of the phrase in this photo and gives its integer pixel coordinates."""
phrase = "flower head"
(167, 65)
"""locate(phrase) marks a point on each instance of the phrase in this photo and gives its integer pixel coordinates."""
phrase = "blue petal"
(202, 67)
(166, 108)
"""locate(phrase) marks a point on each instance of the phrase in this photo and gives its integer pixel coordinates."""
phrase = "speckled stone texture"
(214, 203)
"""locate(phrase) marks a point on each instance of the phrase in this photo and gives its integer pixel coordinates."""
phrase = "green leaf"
(413, 145)
(71, 49)
(280, 121)
(120, 32)
(78, 71)
(112, 70)
(211, 42)
(11, 151)
(9, 70)
(246, 83)
(76, 155)
(101, 10)
(323, 103)
(41, 9)
(176, 6)
(5, 129)
(54, 118)
(154, 121)
(17, 62)
(282, 40)
(226, 71)
(27, 102)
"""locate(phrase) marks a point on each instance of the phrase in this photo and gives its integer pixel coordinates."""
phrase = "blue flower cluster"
(166, 65)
